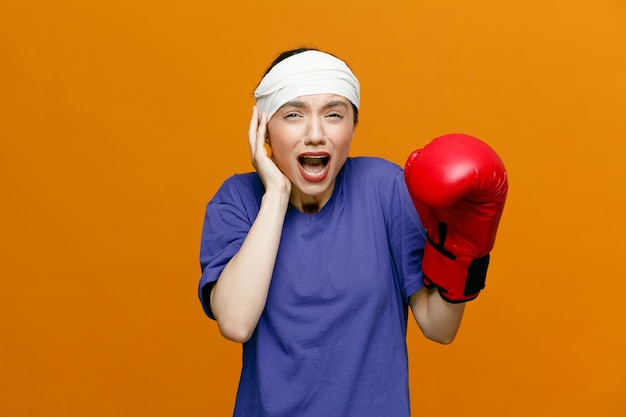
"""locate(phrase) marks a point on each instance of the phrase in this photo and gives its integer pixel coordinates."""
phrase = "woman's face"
(310, 138)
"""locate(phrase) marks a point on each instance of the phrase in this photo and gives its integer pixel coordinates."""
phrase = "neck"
(310, 204)
(310, 208)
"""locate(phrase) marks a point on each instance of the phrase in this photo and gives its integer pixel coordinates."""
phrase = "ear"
(268, 143)
(268, 149)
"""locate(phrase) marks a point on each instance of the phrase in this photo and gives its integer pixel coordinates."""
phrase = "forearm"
(238, 297)
(438, 319)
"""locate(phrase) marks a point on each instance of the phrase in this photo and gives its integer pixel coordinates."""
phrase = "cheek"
(279, 152)
(343, 144)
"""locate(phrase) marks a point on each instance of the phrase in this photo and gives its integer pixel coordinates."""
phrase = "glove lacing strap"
(449, 272)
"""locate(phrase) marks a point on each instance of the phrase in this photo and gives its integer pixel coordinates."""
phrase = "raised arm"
(238, 297)
(458, 185)
(438, 319)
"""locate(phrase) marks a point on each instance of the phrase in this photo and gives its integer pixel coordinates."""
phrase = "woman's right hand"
(272, 177)
(238, 297)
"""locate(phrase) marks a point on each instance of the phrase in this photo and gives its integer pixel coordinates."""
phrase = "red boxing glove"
(458, 185)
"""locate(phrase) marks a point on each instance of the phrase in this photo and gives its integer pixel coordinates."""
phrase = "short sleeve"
(408, 238)
(228, 218)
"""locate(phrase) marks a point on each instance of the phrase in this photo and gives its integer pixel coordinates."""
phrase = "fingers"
(252, 129)
(257, 132)
(270, 174)
(262, 132)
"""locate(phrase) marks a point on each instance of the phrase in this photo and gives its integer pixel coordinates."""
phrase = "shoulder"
(374, 161)
(240, 188)
(372, 169)
(248, 181)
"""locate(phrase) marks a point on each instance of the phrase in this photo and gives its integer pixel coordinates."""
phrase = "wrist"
(276, 197)
(459, 278)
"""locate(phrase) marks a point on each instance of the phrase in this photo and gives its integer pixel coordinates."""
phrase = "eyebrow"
(332, 103)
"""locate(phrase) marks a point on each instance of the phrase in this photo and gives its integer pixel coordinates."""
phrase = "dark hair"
(286, 54)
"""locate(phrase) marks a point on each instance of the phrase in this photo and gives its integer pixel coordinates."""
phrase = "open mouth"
(314, 166)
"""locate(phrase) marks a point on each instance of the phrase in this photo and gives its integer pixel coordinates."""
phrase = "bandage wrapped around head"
(305, 73)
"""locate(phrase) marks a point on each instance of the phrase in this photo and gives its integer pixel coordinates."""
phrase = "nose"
(315, 132)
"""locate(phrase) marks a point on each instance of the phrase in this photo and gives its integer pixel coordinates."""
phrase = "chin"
(315, 189)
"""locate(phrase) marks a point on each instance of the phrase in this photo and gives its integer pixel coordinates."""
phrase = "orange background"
(119, 119)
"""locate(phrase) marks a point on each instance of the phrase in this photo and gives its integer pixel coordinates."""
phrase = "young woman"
(313, 261)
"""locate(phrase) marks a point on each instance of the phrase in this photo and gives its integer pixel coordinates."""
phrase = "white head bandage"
(305, 73)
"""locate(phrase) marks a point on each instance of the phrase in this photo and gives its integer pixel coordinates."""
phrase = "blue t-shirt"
(332, 338)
